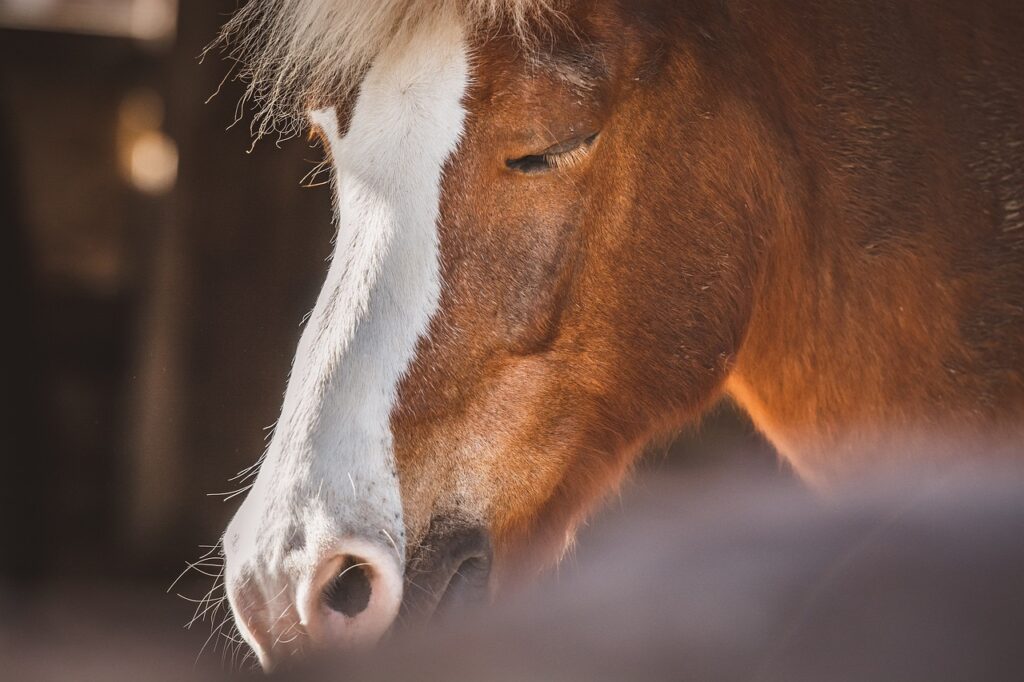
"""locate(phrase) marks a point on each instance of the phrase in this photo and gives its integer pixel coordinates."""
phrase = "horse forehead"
(496, 77)
(409, 87)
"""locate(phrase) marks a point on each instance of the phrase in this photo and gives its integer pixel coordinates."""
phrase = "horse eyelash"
(563, 160)
(538, 163)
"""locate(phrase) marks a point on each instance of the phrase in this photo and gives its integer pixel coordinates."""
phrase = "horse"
(566, 228)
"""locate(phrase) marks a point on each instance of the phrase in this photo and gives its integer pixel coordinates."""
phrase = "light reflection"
(149, 20)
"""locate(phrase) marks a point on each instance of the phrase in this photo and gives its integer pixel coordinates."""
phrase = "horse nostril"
(468, 585)
(349, 592)
(454, 575)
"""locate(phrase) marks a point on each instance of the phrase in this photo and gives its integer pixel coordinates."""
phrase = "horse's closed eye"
(558, 157)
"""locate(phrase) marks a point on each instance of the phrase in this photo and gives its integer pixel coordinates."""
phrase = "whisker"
(207, 600)
(228, 496)
(394, 544)
(213, 634)
(283, 613)
(205, 607)
(202, 571)
(289, 641)
(208, 556)
(277, 640)
(253, 468)
(212, 608)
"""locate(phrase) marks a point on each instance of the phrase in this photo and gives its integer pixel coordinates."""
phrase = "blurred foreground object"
(745, 578)
(716, 576)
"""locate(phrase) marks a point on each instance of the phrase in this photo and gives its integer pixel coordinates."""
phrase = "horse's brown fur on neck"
(889, 310)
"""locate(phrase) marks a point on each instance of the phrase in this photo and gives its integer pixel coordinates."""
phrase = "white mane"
(294, 54)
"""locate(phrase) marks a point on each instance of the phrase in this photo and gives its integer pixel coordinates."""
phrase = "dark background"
(149, 333)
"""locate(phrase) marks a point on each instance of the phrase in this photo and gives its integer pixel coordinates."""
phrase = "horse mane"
(291, 53)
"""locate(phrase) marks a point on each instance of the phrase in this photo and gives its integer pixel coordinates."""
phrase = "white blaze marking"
(329, 471)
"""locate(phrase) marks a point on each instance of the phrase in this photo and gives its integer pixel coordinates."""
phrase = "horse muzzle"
(286, 605)
(297, 591)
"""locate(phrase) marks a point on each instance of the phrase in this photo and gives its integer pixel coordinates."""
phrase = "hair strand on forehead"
(292, 54)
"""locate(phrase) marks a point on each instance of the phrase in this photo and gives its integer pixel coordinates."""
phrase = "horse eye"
(558, 157)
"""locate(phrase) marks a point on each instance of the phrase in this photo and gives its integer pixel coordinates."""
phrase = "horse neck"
(866, 319)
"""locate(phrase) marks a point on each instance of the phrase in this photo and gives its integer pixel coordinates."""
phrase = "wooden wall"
(152, 335)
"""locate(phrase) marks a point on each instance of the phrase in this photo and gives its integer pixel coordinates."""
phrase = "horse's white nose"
(347, 598)
(354, 597)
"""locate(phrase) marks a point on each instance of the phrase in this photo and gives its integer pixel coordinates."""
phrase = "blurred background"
(158, 273)
(155, 273)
